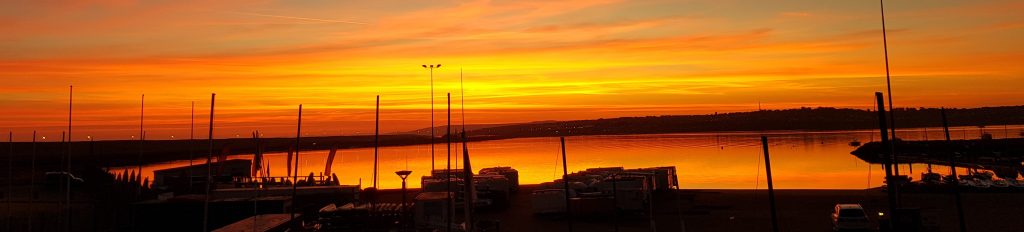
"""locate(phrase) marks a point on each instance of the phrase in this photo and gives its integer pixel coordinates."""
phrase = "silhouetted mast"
(888, 86)
(209, 169)
(142, 139)
(952, 173)
(295, 181)
(891, 191)
(67, 191)
(771, 187)
(467, 170)
(32, 183)
(448, 171)
(10, 179)
(191, 145)
(376, 141)
(565, 183)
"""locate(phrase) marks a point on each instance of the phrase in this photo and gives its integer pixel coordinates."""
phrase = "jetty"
(1002, 156)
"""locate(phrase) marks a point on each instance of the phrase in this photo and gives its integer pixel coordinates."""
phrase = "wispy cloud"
(298, 18)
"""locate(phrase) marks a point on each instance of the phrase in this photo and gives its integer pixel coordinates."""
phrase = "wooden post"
(771, 186)
(565, 183)
(952, 173)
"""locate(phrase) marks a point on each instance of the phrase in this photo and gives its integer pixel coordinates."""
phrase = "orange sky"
(523, 60)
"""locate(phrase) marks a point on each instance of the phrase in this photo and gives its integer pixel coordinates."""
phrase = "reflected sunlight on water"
(800, 160)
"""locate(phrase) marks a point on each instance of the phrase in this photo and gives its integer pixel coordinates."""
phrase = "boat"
(931, 178)
(855, 143)
(1000, 184)
(1016, 183)
(548, 201)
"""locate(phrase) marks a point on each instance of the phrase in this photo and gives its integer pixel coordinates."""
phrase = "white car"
(850, 217)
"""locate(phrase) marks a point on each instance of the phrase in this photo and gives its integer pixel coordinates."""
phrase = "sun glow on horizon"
(521, 60)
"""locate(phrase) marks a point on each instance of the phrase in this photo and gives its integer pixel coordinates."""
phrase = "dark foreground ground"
(747, 210)
(702, 210)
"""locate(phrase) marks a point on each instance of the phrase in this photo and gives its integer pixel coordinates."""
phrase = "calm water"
(800, 160)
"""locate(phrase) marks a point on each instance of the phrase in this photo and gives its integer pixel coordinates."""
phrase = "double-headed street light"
(432, 67)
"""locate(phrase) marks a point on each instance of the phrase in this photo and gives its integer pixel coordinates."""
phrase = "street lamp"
(432, 67)
(403, 174)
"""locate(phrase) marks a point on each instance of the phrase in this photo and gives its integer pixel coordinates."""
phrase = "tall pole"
(255, 185)
(432, 67)
(67, 190)
(952, 173)
(376, 141)
(209, 170)
(888, 159)
(448, 170)
(888, 86)
(565, 183)
(142, 138)
(295, 180)
(615, 199)
(191, 145)
(10, 179)
(32, 183)
(462, 94)
(771, 187)
(467, 170)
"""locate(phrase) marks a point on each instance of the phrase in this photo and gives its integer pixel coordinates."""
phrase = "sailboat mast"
(448, 170)
(295, 181)
(142, 139)
(67, 191)
(191, 147)
(376, 141)
(209, 169)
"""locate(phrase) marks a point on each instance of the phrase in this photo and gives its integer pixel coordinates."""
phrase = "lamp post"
(403, 174)
(432, 67)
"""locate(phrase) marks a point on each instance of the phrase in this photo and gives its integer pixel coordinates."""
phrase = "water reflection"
(800, 160)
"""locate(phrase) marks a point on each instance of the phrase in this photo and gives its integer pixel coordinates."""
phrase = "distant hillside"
(116, 153)
(811, 119)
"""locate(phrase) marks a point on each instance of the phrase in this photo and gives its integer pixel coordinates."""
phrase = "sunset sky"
(522, 60)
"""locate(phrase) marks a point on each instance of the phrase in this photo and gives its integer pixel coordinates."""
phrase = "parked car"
(850, 217)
